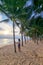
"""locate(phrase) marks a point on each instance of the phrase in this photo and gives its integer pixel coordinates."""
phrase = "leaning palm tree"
(12, 8)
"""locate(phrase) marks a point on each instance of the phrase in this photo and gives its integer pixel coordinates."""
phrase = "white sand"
(31, 54)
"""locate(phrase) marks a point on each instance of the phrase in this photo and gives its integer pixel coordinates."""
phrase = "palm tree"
(13, 8)
(16, 10)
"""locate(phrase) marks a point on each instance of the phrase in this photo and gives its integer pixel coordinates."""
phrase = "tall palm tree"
(13, 8)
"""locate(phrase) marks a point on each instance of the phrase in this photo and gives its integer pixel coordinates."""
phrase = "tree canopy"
(28, 15)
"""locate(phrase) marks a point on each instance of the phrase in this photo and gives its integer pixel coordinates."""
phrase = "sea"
(7, 40)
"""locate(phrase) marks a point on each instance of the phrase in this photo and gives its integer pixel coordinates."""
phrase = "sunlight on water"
(4, 42)
(9, 41)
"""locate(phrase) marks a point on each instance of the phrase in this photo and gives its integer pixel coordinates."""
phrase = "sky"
(6, 27)
(28, 3)
(2, 16)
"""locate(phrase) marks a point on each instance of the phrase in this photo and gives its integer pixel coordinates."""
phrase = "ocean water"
(4, 42)
(8, 40)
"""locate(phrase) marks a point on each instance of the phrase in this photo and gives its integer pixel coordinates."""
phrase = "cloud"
(5, 26)
(3, 16)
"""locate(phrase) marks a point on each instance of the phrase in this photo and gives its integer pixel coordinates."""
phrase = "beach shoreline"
(31, 53)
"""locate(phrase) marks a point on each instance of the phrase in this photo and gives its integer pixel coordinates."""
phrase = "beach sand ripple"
(31, 54)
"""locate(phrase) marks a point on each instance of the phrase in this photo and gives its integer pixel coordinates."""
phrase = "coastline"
(31, 53)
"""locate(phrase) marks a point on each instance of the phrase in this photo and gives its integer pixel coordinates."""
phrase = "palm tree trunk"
(36, 38)
(25, 39)
(22, 38)
(40, 38)
(14, 36)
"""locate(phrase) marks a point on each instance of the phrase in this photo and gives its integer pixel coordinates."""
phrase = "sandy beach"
(31, 54)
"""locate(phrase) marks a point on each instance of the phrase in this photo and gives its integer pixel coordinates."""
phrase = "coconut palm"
(13, 8)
